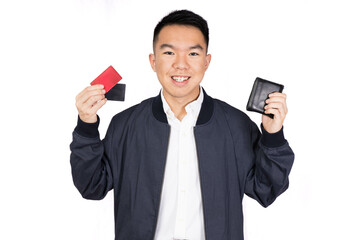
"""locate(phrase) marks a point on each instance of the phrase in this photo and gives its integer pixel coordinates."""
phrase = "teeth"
(180, 79)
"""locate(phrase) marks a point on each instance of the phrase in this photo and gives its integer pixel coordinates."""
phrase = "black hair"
(183, 17)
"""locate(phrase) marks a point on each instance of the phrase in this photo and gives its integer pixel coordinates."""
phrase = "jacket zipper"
(162, 183)
(202, 195)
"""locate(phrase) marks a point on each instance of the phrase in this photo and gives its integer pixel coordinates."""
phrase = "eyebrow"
(166, 45)
(197, 46)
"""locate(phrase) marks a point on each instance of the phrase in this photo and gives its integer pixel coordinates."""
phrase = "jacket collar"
(205, 114)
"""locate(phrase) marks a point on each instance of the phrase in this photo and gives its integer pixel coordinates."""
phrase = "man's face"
(180, 61)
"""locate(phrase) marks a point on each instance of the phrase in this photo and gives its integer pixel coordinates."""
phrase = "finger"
(92, 101)
(282, 111)
(98, 105)
(83, 105)
(86, 108)
(89, 115)
(276, 99)
(88, 94)
(279, 106)
(275, 112)
(277, 94)
(89, 89)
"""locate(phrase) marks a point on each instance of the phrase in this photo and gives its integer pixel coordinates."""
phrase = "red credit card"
(108, 78)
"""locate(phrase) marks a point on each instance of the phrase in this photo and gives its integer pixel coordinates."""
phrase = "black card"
(117, 93)
(259, 93)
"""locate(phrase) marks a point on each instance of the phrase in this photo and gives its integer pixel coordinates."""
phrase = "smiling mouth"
(179, 78)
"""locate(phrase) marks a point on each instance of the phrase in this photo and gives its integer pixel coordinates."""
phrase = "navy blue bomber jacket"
(234, 158)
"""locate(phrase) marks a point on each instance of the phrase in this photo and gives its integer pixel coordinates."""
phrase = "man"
(180, 163)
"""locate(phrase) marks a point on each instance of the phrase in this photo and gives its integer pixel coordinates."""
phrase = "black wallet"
(116, 93)
(259, 93)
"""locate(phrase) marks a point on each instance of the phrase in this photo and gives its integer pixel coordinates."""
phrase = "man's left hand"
(276, 105)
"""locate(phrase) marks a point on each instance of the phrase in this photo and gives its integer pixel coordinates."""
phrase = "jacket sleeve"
(272, 161)
(90, 161)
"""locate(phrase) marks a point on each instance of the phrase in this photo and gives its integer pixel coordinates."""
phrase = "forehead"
(181, 35)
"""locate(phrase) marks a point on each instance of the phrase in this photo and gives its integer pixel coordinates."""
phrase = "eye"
(168, 53)
(193, 54)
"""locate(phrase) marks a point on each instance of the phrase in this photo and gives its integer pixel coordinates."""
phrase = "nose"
(181, 62)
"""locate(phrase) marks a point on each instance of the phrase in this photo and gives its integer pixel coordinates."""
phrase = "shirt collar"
(192, 108)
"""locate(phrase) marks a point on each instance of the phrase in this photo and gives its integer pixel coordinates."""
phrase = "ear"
(207, 61)
(152, 61)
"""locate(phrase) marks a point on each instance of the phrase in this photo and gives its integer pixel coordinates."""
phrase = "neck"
(177, 105)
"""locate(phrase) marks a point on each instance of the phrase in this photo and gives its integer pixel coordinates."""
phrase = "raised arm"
(273, 157)
(90, 161)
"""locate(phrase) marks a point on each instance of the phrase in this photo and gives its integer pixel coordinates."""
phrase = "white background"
(51, 50)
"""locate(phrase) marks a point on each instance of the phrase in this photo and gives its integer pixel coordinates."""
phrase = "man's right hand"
(89, 101)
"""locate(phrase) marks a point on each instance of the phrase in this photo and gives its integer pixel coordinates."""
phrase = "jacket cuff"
(272, 140)
(89, 130)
